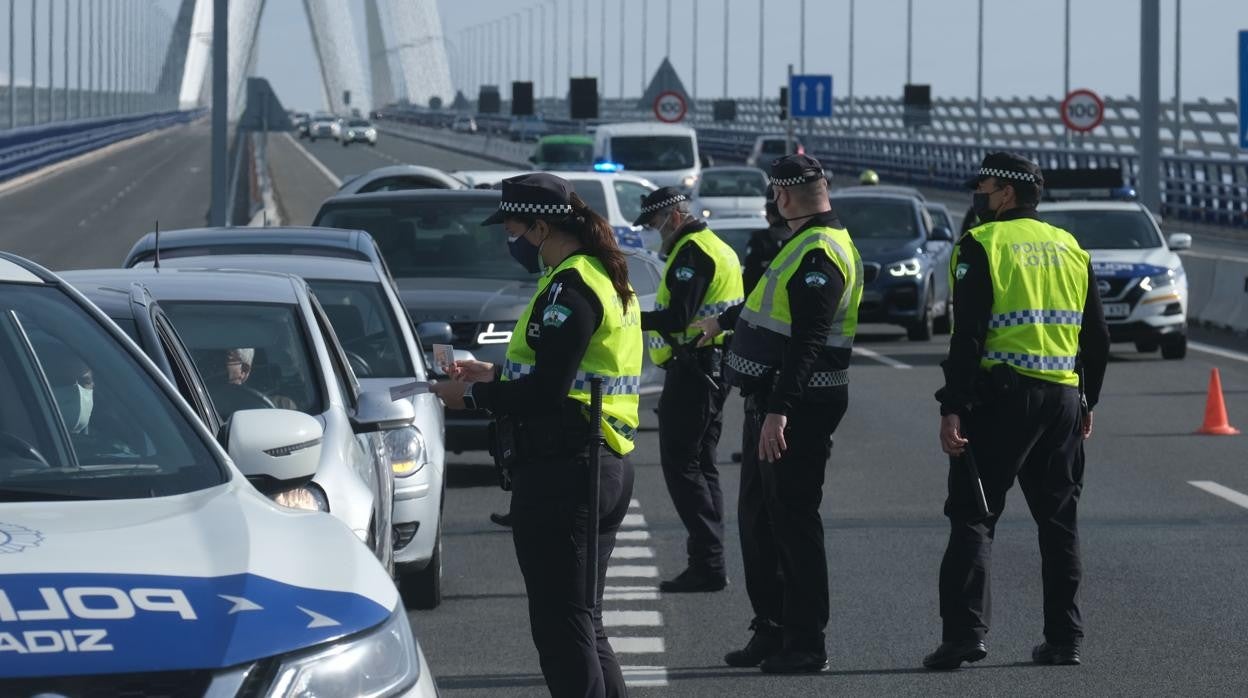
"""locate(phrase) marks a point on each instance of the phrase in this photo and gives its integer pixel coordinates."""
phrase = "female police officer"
(582, 323)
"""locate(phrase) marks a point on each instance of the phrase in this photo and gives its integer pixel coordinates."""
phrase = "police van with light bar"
(1139, 273)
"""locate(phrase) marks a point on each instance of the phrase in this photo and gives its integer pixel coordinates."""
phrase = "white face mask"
(76, 403)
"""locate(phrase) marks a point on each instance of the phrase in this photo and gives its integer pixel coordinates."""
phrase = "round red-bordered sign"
(670, 107)
(1083, 110)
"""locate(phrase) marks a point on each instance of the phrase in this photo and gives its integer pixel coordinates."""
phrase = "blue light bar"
(607, 167)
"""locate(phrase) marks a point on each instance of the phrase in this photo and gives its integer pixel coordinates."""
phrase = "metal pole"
(12, 64)
(761, 53)
(554, 53)
(788, 123)
(979, 79)
(115, 54)
(78, 84)
(65, 62)
(1066, 68)
(851, 66)
(532, 45)
(621, 68)
(909, 39)
(1178, 75)
(571, 6)
(220, 98)
(51, 57)
(34, 74)
(694, 83)
(667, 48)
(645, 10)
(726, 3)
(602, 48)
(1148, 178)
(93, 66)
(802, 51)
(585, 38)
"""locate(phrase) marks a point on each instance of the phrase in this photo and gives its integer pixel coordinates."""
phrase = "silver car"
(261, 340)
(730, 192)
(399, 177)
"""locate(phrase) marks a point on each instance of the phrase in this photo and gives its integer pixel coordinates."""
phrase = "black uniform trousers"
(549, 526)
(786, 567)
(690, 421)
(1032, 433)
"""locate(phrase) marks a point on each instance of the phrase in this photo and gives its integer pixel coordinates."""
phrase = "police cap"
(533, 194)
(792, 170)
(656, 201)
(1007, 166)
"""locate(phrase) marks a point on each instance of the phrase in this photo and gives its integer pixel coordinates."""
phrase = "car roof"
(304, 266)
(568, 138)
(607, 176)
(643, 128)
(750, 222)
(873, 193)
(883, 189)
(355, 243)
(415, 195)
(733, 168)
(1089, 206)
(193, 285)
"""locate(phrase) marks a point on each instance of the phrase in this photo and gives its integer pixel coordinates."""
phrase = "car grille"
(870, 270)
(1116, 286)
(165, 684)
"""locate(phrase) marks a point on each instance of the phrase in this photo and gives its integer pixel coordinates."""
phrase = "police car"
(136, 558)
(1138, 272)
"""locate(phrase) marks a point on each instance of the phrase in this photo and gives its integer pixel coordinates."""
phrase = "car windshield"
(578, 154)
(366, 327)
(653, 152)
(251, 355)
(877, 218)
(1107, 230)
(358, 122)
(628, 196)
(738, 238)
(432, 237)
(940, 217)
(733, 183)
(776, 146)
(593, 193)
(79, 417)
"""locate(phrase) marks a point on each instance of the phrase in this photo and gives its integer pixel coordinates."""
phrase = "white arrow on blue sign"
(810, 96)
(1243, 90)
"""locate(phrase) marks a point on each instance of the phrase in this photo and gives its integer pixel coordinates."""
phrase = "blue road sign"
(1243, 90)
(810, 96)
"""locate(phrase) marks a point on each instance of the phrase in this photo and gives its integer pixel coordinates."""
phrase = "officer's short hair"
(810, 192)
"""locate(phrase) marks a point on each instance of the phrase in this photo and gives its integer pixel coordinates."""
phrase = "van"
(665, 154)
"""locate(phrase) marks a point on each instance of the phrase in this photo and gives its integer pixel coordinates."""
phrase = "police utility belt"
(524, 442)
(757, 378)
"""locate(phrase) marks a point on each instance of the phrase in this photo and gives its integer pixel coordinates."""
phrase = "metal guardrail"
(23, 150)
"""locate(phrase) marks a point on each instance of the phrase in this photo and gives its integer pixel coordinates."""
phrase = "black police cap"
(658, 200)
(792, 170)
(534, 194)
(1007, 166)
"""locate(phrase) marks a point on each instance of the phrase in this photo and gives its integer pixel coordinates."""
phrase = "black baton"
(683, 355)
(977, 485)
(595, 475)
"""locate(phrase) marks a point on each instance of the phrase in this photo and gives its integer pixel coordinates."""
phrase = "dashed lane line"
(1218, 351)
(886, 360)
(638, 645)
(632, 536)
(632, 553)
(632, 619)
(633, 521)
(1213, 488)
(625, 601)
(630, 593)
(645, 676)
(643, 571)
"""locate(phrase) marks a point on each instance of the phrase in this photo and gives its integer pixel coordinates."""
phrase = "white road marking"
(886, 360)
(633, 535)
(1217, 490)
(634, 504)
(638, 645)
(1217, 351)
(624, 619)
(320, 166)
(632, 553)
(630, 595)
(645, 571)
(633, 521)
(655, 676)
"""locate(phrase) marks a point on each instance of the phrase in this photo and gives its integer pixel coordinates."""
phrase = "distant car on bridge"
(574, 152)
(770, 146)
(400, 177)
(666, 154)
(321, 126)
(730, 192)
(357, 131)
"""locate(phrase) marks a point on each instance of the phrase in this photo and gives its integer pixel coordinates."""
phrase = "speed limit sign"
(1083, 110)
(670, 107)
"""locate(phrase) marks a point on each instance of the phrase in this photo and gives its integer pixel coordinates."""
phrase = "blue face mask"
(525, 252)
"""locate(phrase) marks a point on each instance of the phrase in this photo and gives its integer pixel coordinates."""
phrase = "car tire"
(422, 589)
(1174, 349)
(921, 330)
(1146, 346)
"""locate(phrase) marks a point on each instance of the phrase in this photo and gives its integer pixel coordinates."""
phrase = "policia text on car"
(702, 279)
(790, 354)
(582, 324)
(1029, 342)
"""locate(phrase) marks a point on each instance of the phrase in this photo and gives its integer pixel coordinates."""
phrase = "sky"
(1022, 45)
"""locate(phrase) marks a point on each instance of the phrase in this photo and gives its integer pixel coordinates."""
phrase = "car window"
(940, 217)
(733, 183)
(431, 238)
(880, 218)
(653, 152)
(776, 146)
(80, 417)
(628, 196)
(594, 193)
(1107, 230)
(401, 183)
(183, 376)
(345, 383)
(565, 154)
(366, 327)
(737, 238)
(643, 275)
(250, 355)
(358, 123)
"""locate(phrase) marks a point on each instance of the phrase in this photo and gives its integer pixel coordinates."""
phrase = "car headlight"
(706, 213)
(379, 663)
(688, 181)
(906, 267)
(308, 497)
(1156, 281)
(496, 333)
(406, 450)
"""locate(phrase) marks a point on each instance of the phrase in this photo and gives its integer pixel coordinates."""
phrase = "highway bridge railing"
(29, 148)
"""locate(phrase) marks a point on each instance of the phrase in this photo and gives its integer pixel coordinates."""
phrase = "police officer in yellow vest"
(583, 322)
(790, 355)
(1029, 337)
(702, 279)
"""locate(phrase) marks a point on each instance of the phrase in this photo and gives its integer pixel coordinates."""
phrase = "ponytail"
(595, 234)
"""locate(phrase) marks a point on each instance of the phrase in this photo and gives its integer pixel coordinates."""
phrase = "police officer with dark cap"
(582, 324)
(1025, 368)
(764, 244)
(702, 279)
(790, 355)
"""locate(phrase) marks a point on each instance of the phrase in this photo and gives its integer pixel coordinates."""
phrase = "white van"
(665, 154)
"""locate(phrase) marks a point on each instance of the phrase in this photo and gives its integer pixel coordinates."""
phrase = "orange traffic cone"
(1215, 410)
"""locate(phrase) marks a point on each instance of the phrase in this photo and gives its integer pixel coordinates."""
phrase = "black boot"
(693, 580)
(794, 661)
(768, 640)
(1057, 655)
(950, 655)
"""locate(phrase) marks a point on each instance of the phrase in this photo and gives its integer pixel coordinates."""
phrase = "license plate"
(1117, 310)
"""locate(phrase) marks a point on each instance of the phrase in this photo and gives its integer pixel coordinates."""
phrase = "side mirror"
(1179, 241)
(941, 233)
(706, 160)
(376, 411)
(274, 444)
(433, 332)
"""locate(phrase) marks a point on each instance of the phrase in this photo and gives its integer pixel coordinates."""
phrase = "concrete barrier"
(513, 154)
(1200, 269)
(1218, 290)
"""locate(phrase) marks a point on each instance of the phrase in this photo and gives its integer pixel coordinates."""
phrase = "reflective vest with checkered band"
(614, 351)
(766, 321)
(724, 291)
(1039, 286)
